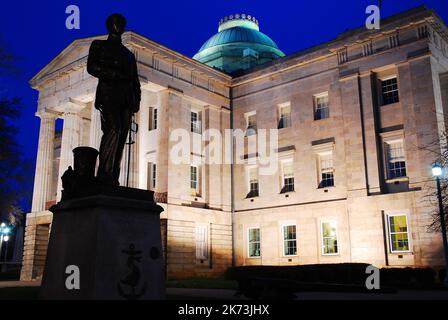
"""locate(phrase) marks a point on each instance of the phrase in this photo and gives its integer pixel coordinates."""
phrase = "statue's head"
(116, 24)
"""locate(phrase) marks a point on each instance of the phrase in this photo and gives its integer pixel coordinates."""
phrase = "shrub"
(342, 274)
(407, 277)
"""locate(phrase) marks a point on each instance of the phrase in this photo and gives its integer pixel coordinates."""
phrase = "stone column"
(95, 128)
(44, 163)
(162, 142)
(70, 140)
(213, 165)
(348, 97)
(143, 138)
(370, 115)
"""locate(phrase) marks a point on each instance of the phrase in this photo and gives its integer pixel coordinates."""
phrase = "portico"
(171, 83)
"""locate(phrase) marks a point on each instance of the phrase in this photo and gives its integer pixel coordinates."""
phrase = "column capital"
(47, 114)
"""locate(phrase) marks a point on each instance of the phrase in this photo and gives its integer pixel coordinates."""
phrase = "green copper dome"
(238, 34)
(238, 45)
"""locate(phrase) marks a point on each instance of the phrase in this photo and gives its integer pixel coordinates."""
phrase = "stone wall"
(37, 232)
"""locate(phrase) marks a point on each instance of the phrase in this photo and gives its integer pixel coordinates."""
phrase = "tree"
(12, 164)
(440, 155)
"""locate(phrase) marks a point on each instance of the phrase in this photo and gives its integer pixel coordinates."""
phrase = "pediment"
(73, 55)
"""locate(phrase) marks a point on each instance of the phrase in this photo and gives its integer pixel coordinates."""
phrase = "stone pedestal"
(113, 238)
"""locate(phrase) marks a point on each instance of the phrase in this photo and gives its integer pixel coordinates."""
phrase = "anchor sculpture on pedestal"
(133, 278)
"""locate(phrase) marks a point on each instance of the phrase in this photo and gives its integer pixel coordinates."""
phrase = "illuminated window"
(329, 238)
(254, 244)
(289, 240)
(398, 233)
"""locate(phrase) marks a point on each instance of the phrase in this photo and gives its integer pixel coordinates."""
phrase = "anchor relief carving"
(132, 281)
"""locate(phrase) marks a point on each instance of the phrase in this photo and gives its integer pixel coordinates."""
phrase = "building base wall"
(178, 225)
(37, 233)
(182, 258)
(362, 234)
(361, 227)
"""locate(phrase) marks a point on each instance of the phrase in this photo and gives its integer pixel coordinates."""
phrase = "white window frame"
(315, 105)
(321, 170)
(248, 242)
(196, 126)
(282, 184)
(197, 182)
(404, 213)
(389, 138)
(246, 117)
(322, 238)
(280, 108)
(153, 175)
(283, 226)
(248, 181)
(385, 78)
(153, 123)
(386, 146)
(204, 253)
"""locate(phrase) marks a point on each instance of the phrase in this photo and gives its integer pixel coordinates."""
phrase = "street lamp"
(4, 236)
(437, 172)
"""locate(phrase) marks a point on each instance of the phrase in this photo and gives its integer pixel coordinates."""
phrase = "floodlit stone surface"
(355, 132)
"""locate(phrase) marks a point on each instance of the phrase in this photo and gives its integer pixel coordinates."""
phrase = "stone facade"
(216, 225)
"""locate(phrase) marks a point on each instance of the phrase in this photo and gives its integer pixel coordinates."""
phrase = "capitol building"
(353, 119)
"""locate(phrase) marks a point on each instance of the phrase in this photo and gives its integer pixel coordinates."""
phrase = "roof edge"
(33, 81)
(361, 31)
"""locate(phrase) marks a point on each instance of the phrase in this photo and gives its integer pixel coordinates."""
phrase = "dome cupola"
(238, 45)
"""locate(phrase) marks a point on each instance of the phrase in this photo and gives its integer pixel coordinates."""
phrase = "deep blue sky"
(35, 30)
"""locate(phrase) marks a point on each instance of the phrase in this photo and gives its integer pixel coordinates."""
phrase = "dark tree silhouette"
(440, 156)
(13, 167)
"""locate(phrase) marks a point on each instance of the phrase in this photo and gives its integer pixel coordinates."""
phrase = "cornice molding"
(135, 42)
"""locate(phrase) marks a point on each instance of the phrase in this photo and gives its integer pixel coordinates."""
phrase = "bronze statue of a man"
(117, 95)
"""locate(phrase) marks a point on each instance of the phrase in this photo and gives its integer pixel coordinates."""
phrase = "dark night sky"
(35, 30)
